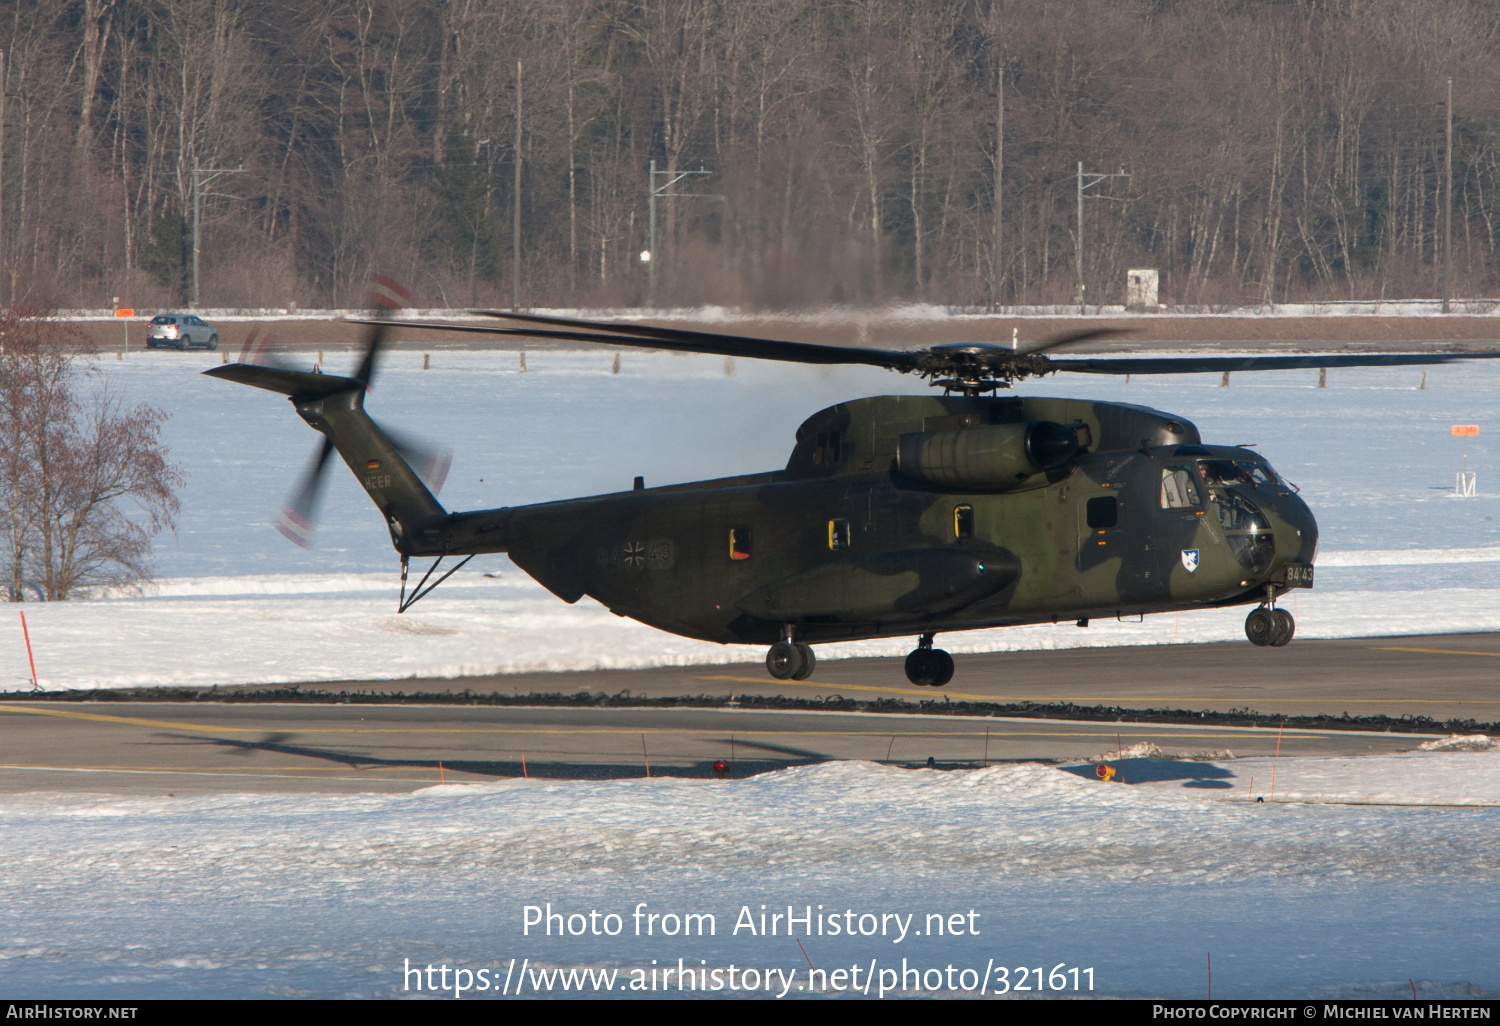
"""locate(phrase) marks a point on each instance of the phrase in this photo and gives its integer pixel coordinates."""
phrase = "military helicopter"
(894, 515)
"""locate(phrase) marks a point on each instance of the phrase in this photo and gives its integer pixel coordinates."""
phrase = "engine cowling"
(994, 458)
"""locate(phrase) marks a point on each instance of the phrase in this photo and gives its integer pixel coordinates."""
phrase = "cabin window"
(828, 448)
(739, 542)
(838, 535)
(963, 521)
(1178, 489)
(1103, 512)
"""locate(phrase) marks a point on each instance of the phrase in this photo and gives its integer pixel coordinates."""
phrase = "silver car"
(180, 331)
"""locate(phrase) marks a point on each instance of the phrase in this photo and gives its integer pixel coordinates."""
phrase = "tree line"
(859, 151)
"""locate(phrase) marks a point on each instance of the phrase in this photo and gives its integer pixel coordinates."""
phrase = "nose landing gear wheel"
(790, 661)
(1260, 627)
(809, 662)
(1285, 627)
(929, 667)
(1273, 627)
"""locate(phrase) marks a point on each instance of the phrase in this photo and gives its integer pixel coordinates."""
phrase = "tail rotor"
(297, 519)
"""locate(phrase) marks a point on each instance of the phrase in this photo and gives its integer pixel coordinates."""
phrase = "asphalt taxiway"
(1439, 677)
(152, 747)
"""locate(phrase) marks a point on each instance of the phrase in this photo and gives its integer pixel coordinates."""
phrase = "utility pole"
(1087, 181)
(199, 181)
(515, 226)
(1448, 209)
(670, 178)
(995, 274)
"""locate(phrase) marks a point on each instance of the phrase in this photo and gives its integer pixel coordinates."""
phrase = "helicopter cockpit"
(1245, 527)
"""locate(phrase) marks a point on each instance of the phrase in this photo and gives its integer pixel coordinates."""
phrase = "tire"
(1260, 627)
(1286, 627)
(213, 342)
(944, 666)
(809, 662)
(783, 661)
(183, 343)
(923, 668)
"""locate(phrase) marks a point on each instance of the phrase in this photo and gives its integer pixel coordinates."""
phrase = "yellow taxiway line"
(1054, 699)
(1438, 651)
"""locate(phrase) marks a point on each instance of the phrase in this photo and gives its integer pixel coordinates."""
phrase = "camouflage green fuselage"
(853, 539)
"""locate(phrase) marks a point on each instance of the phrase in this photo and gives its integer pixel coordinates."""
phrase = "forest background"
(860, 151)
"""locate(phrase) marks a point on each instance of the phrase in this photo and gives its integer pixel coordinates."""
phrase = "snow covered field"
(329, 896)
(237, 604)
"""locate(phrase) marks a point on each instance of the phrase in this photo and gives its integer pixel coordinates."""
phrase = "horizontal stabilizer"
(300, 385)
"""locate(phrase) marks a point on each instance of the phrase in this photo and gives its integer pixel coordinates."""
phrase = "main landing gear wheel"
(789, 660)
(929, 667)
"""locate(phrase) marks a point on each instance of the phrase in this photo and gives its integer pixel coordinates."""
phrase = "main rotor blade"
(718, 343)
(1074, 338)
(1217, 364)
(296, 520)
(649, 337)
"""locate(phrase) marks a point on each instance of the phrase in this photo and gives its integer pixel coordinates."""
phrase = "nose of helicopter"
(1297, 542)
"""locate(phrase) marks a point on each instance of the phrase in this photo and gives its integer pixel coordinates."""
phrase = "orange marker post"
(125, 311)
(1465, 479)
(35, 685)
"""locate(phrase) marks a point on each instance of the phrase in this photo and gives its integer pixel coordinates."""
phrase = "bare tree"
(85, 482)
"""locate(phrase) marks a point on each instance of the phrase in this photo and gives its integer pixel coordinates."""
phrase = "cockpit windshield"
(1245, 527)
(1242, 472)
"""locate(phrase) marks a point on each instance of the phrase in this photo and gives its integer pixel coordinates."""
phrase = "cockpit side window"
(1178, 489)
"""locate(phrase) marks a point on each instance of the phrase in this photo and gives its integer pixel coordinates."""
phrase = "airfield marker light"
(721, 769)
(645, 256)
